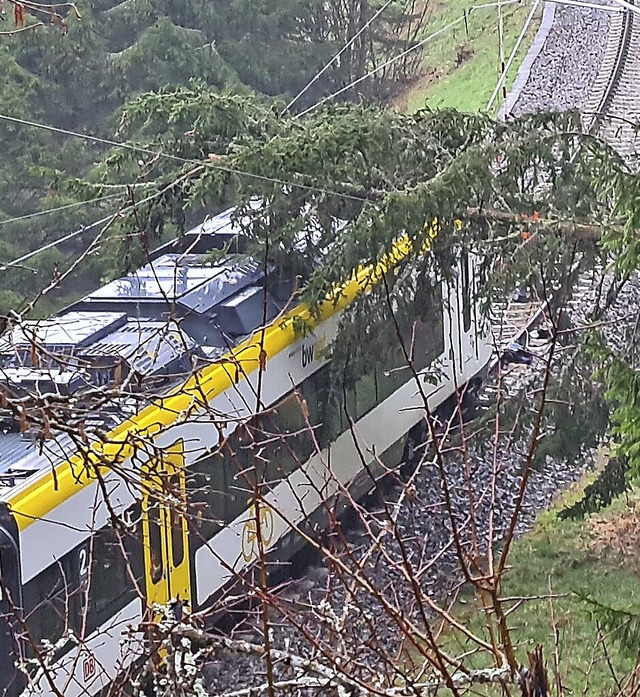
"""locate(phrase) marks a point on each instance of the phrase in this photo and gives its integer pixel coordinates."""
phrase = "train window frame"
(206, 495)
(50, 588)
(237, 488)
(390, 374)
(290, 430)
(111, 603)
(9, 586)
(326, 398)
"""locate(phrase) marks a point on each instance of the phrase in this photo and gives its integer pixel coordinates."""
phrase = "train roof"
(36, 475)
(145, 332)
(72, 329)
(187, 279)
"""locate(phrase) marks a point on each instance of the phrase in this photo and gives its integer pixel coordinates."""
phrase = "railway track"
(614, 111)
(524, 323)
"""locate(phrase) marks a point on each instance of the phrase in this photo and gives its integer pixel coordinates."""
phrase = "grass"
(461, 66)
(572, 558)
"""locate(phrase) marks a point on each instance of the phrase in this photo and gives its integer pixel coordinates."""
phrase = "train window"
(292, 441)
(366, 395)
(348, 408)
(309, 391)
(48, 600)
(312, 392)
(326, 411)
(155, 540)
(110, 583)
(11, 682)
(241, 451)
(425, 343)
(391, 374)
(239, 473)
(205, 482)
(177, 528)
(466, 291)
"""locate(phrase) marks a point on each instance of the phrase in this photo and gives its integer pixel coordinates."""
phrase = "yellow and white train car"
(93, 531)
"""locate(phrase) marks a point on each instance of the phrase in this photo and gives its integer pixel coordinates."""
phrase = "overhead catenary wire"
(192, 161)
(571, 3)
(448, 27)
(238, 172)
(628, 6)
(232, 170)
(404, 53)
(184, 160)
(326, 67)
(588, 5)
(76, 233)
(57, 209)
(501, 54)
(505, 68)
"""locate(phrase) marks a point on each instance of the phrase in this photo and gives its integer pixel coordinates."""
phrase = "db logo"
(89, 667)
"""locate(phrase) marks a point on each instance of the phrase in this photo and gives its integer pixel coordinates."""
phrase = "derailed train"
(172, 471)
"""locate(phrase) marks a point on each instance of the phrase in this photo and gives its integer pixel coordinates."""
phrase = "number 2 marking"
(84, 567)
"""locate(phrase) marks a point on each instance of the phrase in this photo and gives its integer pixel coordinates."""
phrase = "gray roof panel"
(166, 279)
(167, 319)
(148, 347)
(244, 312)
(232, 278)
(197, 283)
(75, 329)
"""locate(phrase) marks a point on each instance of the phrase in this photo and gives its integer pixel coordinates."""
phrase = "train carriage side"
(78, 573)
(372, 416)
(11, 681)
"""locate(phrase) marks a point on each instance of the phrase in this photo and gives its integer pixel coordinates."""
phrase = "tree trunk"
(533, 680)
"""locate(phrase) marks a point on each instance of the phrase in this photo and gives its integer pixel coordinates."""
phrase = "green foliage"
(459, 66)
(621, 623)
(8, 301)
(70, 69)
(120, 50)
(558, 558)
(193, 121)
(610, 483)
(577, 416)
(380, 172)
(340, 185)
(623, 394)
(622, 189)
(167, 54)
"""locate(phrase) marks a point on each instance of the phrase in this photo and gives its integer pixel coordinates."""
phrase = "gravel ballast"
(565, 71)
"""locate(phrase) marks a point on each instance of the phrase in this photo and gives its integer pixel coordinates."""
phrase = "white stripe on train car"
(69, 524)
(94, 664)
(298, 496)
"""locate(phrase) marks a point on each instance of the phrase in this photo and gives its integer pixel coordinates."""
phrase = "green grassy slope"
(598, 557)
(461, 66)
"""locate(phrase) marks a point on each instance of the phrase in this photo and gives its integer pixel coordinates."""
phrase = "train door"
(11, 682)
(165, 530)
(463, 318)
